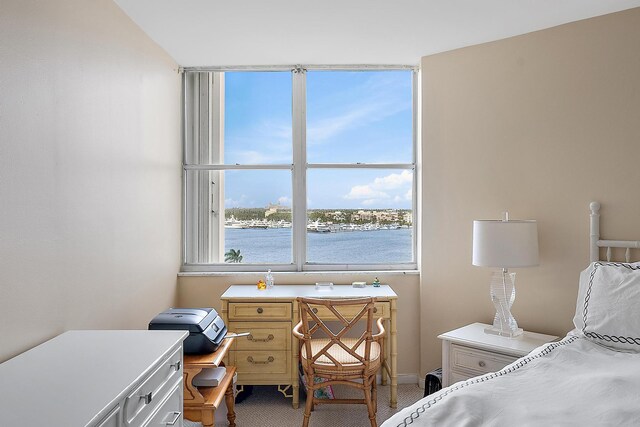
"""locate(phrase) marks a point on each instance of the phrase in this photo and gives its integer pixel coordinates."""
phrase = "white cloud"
(394, 180)
(390, 190)
(232, 203)
(284, 201)
(409, 194)
(365, 192)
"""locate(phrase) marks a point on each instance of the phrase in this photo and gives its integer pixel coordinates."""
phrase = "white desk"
(95, 378)
(270, 354)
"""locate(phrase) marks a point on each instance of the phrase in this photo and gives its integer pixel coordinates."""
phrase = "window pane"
(257, 217)
(257, 117)
(359, 216)
(359, 116)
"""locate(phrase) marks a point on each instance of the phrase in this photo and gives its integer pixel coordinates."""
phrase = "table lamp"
(504, 244)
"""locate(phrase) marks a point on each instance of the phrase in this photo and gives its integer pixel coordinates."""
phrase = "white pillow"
(608, 306)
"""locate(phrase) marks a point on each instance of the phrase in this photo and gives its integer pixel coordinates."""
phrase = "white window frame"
(215, 110)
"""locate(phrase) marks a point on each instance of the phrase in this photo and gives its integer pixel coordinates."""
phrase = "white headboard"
(597, 243)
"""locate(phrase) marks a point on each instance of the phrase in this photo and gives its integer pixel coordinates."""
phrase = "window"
(299, 169)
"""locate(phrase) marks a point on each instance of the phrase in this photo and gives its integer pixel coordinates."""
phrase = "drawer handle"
(315, 310)
(263, 362)
(375, 309)
(176, 365)
(482, 364)
(267, 339)
(176, 417)
(259, 310)
(147, 397)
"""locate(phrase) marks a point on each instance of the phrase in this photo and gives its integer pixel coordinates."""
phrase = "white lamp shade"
(505, 244)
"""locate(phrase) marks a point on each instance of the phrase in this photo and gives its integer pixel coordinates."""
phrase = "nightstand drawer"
(478, 361)
(260, 311)
(264, 335)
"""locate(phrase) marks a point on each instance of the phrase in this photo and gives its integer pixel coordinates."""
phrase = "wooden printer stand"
(200, 403)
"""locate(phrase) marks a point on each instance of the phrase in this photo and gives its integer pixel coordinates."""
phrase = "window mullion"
(202, 180)
(299, 175)
(216, 178)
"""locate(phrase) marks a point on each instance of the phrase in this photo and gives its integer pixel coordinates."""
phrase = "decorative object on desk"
(324, 286)
(504, 244)
(261, 285)
(269, 279)
(376, 283)
(359, 284)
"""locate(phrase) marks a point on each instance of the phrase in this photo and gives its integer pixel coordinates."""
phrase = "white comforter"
(573, 382)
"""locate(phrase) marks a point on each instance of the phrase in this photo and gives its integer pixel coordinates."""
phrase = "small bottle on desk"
(269, 279)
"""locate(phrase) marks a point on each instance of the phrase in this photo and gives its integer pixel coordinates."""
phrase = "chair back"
(313, 327)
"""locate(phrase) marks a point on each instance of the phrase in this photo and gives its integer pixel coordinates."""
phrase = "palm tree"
(233, 256)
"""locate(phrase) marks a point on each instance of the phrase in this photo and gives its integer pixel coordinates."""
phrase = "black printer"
(206, 328)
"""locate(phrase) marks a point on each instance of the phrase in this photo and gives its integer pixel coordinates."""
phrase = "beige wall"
(89, 171)
(539, 124)
(205, 291)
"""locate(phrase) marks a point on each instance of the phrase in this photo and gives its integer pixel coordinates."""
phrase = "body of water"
(273, 246)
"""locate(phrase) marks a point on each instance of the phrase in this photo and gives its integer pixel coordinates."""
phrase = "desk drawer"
(380, 309)
(264, 335)
(260, 311)
(261, 366)
(144, 399)
(478, 361)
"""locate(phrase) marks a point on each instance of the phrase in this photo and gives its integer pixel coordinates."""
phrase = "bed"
(589, 378)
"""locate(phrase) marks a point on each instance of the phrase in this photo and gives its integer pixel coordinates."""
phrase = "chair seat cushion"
(338, 353)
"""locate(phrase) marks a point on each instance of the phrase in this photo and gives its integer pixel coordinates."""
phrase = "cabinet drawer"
(478, 361)
(264, 335)
(380, 309)
(144, 399)
(261, 365)
(260, 311)
(170, 411)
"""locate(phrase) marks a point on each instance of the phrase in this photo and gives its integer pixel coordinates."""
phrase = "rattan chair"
(335, 357)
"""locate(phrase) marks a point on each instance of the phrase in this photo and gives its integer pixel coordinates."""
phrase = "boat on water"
(318, 227)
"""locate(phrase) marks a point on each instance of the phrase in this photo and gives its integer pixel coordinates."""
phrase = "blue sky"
(351, 117)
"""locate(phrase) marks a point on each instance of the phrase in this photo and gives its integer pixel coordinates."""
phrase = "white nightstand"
(468, 351)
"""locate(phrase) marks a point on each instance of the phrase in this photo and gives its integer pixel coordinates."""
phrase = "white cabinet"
(112, 419)
(96, 379)
(469, 351)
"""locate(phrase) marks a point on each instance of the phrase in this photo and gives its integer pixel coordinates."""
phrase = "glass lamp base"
(509, 334)
(503, 293)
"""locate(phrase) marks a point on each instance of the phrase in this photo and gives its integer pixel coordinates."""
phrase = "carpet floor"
(267, 407)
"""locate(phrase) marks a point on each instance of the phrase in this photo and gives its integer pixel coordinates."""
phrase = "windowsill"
(298, 273)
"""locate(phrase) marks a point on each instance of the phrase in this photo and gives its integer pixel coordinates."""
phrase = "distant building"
(408, 217)
(377, 216)
(275, 208)
(336, 215)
